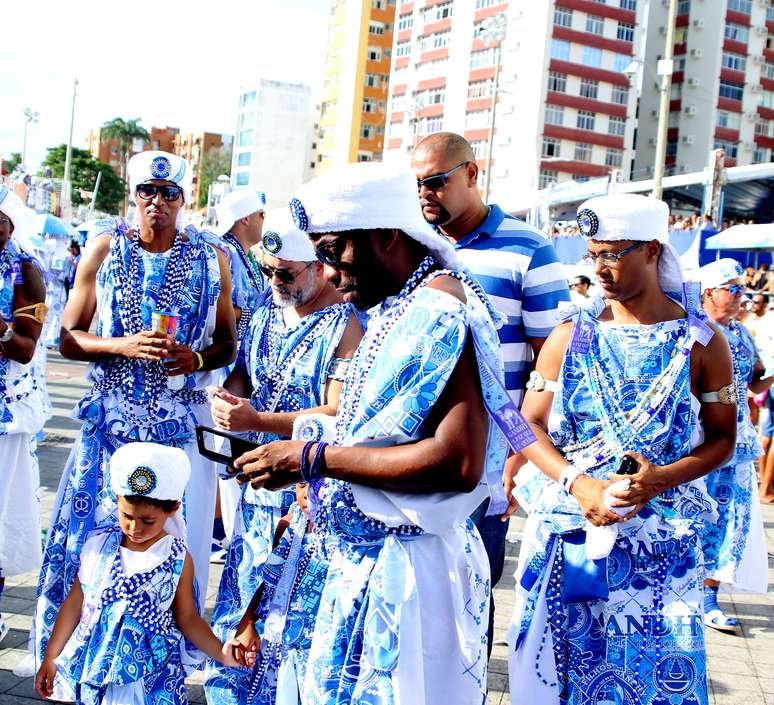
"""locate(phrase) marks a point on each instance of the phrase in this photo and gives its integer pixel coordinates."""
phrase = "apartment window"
(585, 120)
(435, 96)
(763, 127)
(551, 147)
(365, 157)
(479, 148)
(591, 57)
(481, 4)
(625, 32)
(244, 158)
(378, 4)
(594, 24)
(405, 21)
(402, 48)
(730, 148)
(613, 157)
(735, 62)
(376, 28)
(730, 120)
(671, 149)
(732, 90)
(430, 124)
(767, 100)
(480, 89)
(370, 105)
(589, 88)
(683, 7)
(374, 54)
(373, 80)
(246, 138)
(242, 178)
(560, 50)
(248, 99)
(616, 126)
(737, 32)
(438, 12)
(483, 58)
(557, 82)
(246, 119)
(760, 155)
(583, 152)
(477, 120)
(562, 17)
(620, 95)
(370, 132)
(770, 13)
(554, 114)
(767, 71)
(548, 177)
(621, 62)
(438, 40)
(744, 6)
(627, 4)
(681, 35)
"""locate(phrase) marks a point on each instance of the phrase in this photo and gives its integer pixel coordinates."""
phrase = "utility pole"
(66, 185)
(492, 33)
(30, 117)
(665, 69)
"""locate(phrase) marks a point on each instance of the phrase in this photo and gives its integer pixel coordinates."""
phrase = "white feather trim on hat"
(628, 216)
(366, 196)
(282, 239)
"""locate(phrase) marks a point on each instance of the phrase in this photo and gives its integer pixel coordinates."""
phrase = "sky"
(168, 63)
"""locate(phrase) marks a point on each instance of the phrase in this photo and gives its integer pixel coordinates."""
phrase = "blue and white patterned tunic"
(403, 614)
(127, 646)
(289, 369)
(132, 400)
(734, 546)
(645, 644)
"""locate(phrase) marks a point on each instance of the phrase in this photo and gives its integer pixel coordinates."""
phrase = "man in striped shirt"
(517, 267)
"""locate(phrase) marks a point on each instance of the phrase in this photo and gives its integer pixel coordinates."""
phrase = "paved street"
(741, 667)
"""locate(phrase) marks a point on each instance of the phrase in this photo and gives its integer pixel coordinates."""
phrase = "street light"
(664, 70)
(30, 116)
(492, 32)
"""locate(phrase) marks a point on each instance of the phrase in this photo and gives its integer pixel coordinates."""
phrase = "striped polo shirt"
(519, 270)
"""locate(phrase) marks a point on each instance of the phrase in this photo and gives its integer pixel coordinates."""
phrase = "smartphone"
(628, 466)
(220, 446)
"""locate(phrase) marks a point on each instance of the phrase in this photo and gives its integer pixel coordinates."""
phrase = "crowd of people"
(367, 384)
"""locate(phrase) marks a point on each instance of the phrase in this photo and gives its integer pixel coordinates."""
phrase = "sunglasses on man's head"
(435, 182)
(284, 275)
(148, 192)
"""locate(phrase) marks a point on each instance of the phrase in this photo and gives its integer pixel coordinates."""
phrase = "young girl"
(118, 639)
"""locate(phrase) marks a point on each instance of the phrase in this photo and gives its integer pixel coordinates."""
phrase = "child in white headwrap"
(119, 636)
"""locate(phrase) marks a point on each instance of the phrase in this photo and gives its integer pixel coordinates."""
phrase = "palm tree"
(125, 132)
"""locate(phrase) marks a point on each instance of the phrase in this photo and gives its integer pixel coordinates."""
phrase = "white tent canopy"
(743, 237)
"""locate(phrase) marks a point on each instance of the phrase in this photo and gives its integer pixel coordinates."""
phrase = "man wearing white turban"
(162, 297)
(620, 394)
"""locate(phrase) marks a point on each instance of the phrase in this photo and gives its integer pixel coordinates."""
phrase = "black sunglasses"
(284, 275)
(325, 256)
(436, 182)
(148, 192)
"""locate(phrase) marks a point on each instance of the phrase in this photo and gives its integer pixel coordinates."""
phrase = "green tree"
(12, 162)
(126, 132)
(214, 164)
(83, 173)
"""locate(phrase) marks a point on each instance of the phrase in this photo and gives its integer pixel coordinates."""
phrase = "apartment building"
(195, 148)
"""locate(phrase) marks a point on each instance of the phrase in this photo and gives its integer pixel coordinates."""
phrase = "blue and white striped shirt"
(519, 270)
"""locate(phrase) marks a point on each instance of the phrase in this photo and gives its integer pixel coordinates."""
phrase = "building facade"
(109, 151)
(272, 144)
(196, 148)
(565, 108)
(353, 105)
(722, 87)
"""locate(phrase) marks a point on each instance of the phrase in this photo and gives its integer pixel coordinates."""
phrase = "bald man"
(517, 267)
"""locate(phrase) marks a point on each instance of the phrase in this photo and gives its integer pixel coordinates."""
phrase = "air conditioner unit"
(751, 115)
(761, 29)
(688, 139)
(652, 141)
(690, 110)
(697, 53)
(699, 24)
(654, 113)
(662, 29)
(693, 81)
(748, 146)
(757, 59)
(757, 88)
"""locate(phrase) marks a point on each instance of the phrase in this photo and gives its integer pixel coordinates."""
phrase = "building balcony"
(600, 9)
(591, 137)
(576, 168)
(587, 39)
(580, 103)
(582, 71)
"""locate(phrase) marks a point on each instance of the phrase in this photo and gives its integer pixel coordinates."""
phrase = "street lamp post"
(665, 69)
(492, 33)
(66, 184)
(30, 117)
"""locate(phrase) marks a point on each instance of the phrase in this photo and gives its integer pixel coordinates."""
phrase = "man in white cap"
(404, 610)
(162, 297)
(608, 596)
(294, 357)
(734, 545)
(22, 314)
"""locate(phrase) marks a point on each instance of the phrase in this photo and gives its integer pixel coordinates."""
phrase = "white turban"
(22, 219)
(719, 272)
(365, 196)
(149, 470)
(627, 216)
(238, 204)
(146, 166)
(282, 239)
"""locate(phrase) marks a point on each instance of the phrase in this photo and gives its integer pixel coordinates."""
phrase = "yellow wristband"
(199, 360)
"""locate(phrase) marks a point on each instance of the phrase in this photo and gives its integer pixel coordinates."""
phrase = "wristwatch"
(5, 337)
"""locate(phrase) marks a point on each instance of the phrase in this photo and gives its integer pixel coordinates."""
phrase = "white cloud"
(177, 64)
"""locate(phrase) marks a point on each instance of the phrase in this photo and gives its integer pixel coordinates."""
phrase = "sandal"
(718, 620)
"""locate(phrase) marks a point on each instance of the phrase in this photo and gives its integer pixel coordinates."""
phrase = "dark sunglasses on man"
(148, 192)
(284, 275)
(435, 182)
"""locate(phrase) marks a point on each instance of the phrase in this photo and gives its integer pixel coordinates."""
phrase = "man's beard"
(441, 218)
(285, 298)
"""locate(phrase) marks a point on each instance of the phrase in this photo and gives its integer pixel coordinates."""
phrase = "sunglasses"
(148, 192)
(612, 258)
(326, 257)
(436, 182)
(284, 275)
(733, 289)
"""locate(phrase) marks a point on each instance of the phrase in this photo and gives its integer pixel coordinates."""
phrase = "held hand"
(232, 413)
(249, 641)
(649, 482)
(145, 345)
(590, 494)
(44, 679)
(513, 464)
(273, 466)
(232, 654)
(180, 360)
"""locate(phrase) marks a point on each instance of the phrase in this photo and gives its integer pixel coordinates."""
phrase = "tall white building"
(565, 109)
(272, 144)
(722, 87)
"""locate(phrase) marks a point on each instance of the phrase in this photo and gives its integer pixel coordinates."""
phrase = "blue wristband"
(305, 461)
(317, 462)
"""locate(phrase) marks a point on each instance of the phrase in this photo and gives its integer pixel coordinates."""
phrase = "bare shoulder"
(351, 337)
(449, 285)
(97, 251)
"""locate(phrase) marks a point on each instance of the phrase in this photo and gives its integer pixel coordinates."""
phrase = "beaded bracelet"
(305, 460)
(317, 462)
